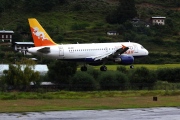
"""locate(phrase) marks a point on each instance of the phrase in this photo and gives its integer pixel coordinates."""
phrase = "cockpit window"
(142, 47)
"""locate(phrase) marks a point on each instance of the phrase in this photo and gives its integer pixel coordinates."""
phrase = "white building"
(42, 69)
(158, 20)
(23, 46)
(112, 33)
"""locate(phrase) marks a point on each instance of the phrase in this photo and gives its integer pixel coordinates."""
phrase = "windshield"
(142, 47)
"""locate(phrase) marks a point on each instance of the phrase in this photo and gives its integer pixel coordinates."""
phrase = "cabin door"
(61, 51)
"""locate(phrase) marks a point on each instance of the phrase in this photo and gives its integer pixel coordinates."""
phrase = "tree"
(59, 38)
(20, 76)
(113, 80)
(169, 74)
(83, 81)
(7, 4)
(60, 73)
(126, 10)
(143, 78)
(39, 5)
(112, 17)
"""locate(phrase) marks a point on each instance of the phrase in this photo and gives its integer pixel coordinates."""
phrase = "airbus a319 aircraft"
(92, 53)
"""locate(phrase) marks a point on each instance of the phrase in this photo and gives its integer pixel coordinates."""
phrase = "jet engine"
(124, 59)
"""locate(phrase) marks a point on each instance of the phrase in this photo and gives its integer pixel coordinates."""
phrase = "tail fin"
(40, 37)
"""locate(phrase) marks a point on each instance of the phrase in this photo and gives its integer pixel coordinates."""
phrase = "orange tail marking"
(123, 47)
(40, 37)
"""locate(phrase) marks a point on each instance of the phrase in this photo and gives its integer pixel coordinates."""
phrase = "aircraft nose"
(146, 52)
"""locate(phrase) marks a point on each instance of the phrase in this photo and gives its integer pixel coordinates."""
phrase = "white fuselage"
(81, 51)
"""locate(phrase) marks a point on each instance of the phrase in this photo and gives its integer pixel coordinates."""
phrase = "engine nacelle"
(124, 59)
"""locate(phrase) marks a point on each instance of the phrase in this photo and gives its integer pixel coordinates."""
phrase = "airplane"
(89, 53)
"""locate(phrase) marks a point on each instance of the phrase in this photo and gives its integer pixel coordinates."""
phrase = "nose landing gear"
(103, 68)
(131, 66)
(84, 68)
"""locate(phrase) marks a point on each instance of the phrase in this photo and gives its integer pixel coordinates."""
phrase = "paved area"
(171, 113)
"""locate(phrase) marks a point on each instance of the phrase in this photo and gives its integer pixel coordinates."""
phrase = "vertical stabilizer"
(40, 37)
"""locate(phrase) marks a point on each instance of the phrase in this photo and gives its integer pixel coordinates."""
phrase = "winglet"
(40, 37)
(123, 47)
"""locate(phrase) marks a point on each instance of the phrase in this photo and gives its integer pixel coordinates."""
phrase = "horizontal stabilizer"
(44, 50)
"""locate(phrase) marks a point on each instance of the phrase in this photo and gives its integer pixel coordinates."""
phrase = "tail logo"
(39, 34)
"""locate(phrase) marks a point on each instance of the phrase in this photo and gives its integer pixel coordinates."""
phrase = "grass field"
(68, 100)
(96, 100)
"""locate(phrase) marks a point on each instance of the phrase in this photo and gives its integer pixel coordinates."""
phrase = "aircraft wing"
(44, 50)
(100, 57)
(120, 51)
(110, 54)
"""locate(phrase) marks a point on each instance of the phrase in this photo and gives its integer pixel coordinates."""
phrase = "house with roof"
(6, 36)
(136, 22)
(112, 33)
(158, 20)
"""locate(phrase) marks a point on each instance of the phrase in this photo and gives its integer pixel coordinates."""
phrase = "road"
(171, 113)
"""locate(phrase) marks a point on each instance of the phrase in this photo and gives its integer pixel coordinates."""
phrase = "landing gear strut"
(103, 68)
(131, 66)
(83, 68)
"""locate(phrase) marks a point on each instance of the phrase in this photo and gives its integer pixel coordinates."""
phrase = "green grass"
(96, 100)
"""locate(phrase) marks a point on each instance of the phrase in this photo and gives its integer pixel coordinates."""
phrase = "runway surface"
(170, 113)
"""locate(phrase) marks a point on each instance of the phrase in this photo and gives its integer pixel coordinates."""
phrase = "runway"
(170, 113)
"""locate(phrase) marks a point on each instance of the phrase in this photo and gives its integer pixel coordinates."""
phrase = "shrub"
(169, 74)
(79, 26)
(83, 81)
(113, 80)
(93, 72)
(122, 69)
(60, 73)
(142, 78)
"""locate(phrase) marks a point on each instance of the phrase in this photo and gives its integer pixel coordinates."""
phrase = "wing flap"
(99, 57)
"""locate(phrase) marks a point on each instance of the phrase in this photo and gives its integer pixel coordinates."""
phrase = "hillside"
(84, 21)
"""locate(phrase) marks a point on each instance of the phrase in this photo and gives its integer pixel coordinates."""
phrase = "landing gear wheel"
(103, 68)
(83, 68)
(131, 66)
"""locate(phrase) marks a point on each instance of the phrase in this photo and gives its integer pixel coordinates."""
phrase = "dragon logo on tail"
(39, 34)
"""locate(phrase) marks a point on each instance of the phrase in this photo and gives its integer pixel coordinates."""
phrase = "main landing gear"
(102, 68)
(84, 68)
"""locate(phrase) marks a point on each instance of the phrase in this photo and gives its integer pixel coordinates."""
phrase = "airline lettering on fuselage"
(70, 47)
(129, 52)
